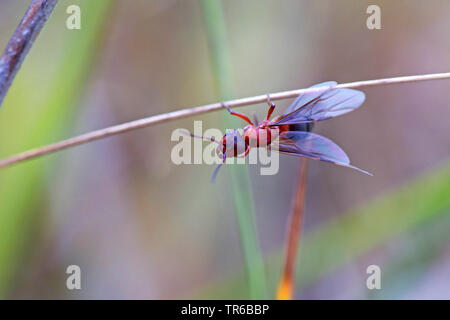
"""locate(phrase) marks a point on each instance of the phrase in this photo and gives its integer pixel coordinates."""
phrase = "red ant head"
(233, 144)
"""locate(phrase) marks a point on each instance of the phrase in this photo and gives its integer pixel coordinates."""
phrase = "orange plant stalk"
(287, 281)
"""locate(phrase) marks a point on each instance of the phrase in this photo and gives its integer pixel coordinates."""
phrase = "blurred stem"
(240, 181)
(287, 280)
(22, 40)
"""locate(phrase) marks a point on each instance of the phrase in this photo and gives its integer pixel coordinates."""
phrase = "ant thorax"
(258, 136)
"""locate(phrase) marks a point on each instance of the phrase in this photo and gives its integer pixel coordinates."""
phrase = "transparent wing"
(307, 97)
(321, 105)
(314, 146)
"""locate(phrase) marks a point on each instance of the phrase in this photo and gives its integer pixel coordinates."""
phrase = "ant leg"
(255, 118)
(271, 107)
(245, 153)
(237, 114)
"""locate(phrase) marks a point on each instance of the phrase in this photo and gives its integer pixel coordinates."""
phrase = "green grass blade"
(347, 237)
(240, 181)
(415, 259)
(38, 110)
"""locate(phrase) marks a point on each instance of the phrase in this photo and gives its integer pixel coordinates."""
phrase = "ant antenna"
(196, 136)
(216, 170)
(255, 118)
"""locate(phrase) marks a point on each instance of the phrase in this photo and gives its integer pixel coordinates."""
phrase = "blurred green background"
(141, 227)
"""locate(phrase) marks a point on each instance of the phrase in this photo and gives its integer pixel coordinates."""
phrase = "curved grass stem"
(183, 113)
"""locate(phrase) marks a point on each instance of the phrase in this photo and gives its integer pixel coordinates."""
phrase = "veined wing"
(314, 146)
(305, 98)
(321, 105)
